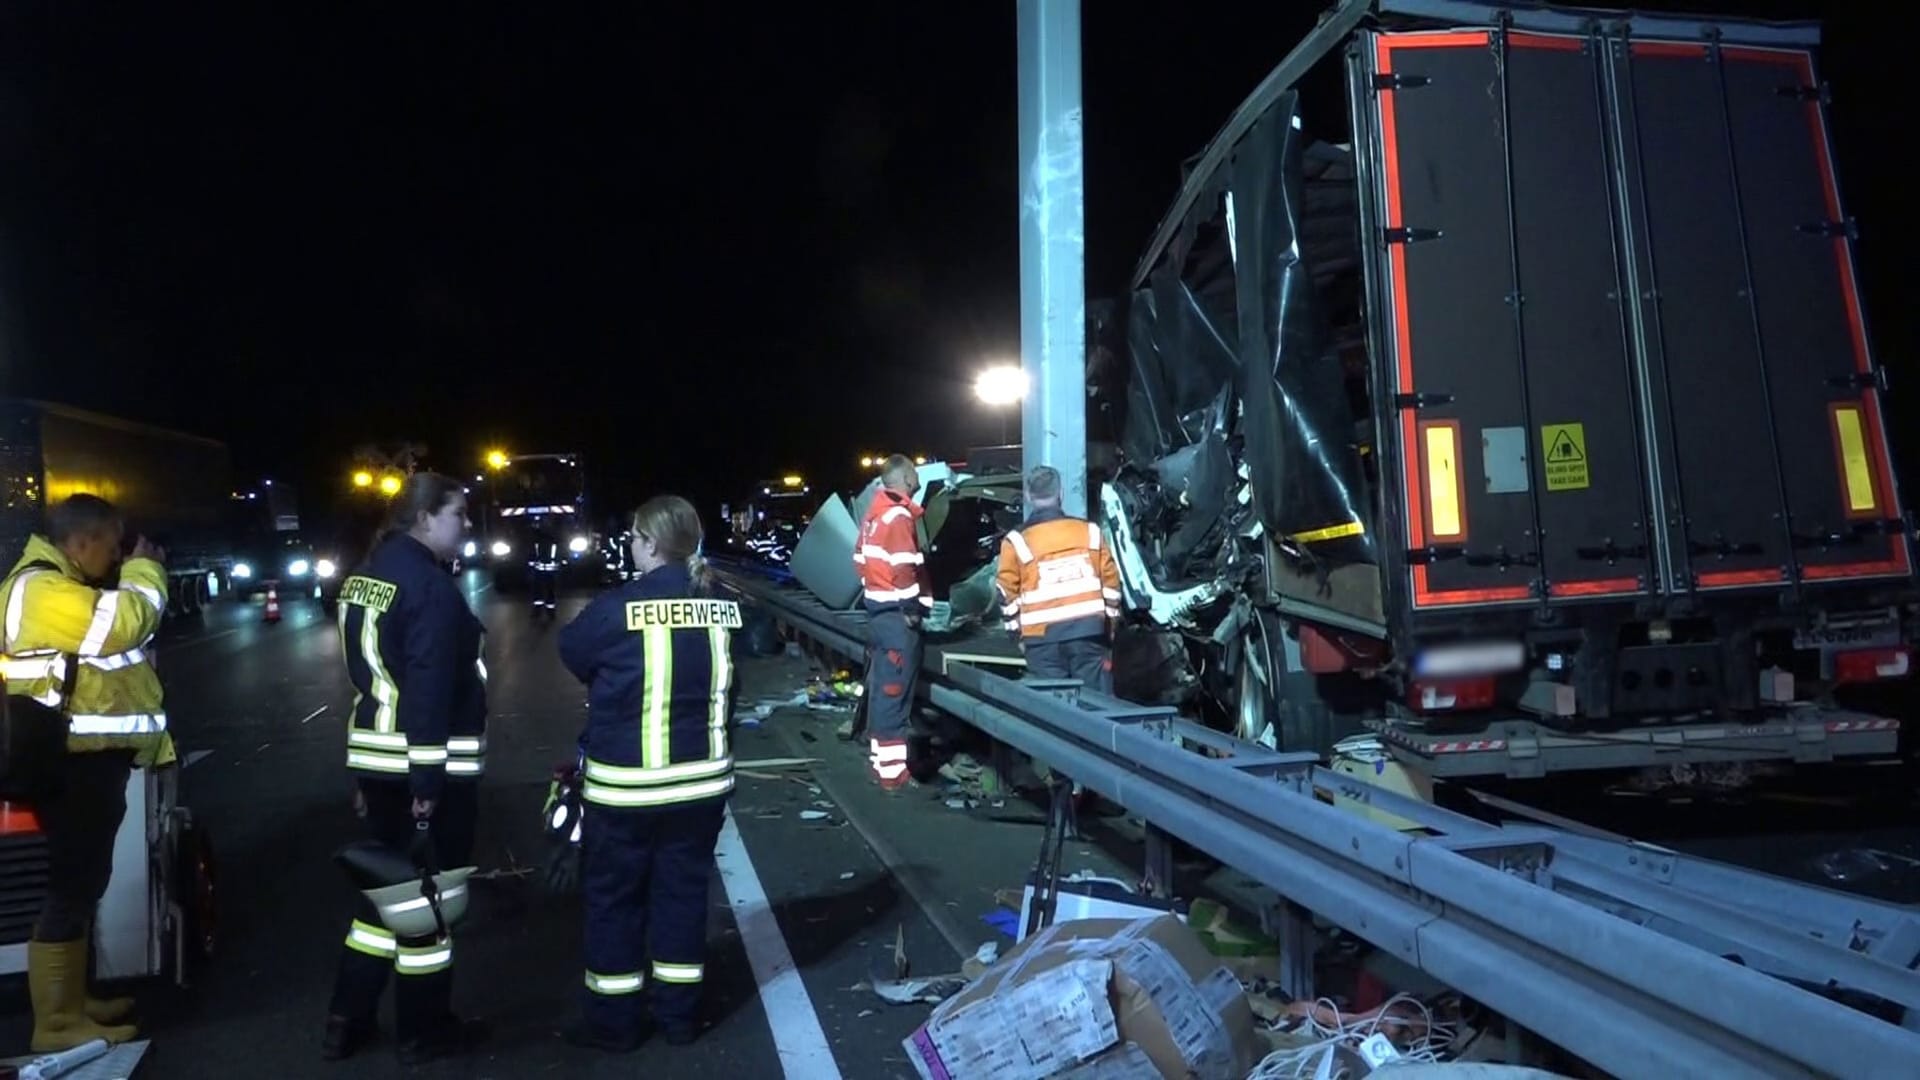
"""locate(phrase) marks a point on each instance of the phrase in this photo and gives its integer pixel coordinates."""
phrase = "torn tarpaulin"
(1235, 366)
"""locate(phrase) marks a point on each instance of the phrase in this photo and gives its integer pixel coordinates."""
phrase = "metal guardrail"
(1642, 961)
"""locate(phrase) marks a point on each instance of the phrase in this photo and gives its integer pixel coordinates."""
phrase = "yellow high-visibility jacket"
(53, 619)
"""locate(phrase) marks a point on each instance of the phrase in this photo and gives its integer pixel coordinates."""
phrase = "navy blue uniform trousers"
(646, 878)
(424, 966)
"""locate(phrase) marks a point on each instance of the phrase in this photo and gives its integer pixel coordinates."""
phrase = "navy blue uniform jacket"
(656, 655)
(413, 654)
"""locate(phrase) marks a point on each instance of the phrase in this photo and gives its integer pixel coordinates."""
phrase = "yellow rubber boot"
(103, 1010)
(57, 981)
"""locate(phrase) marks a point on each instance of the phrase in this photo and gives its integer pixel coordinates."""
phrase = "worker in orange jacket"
(898, 595)
(1059, 589)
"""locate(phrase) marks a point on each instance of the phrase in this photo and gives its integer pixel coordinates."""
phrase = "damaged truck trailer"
(1534, 427)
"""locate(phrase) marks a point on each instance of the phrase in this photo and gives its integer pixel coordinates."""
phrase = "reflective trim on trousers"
(375, 941)
(424, 959)
(629, 983)
(679, 974)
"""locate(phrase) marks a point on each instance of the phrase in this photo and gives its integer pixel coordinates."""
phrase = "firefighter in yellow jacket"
(74, 651)
(1059, 589)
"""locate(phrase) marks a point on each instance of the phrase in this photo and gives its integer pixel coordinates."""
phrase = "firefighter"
(655, 656)
(898, 596)
(543, 571)
(416, 747)
(1059, 589)
(75, 662)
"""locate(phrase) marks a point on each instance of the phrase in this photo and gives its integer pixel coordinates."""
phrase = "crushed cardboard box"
(1069, 995)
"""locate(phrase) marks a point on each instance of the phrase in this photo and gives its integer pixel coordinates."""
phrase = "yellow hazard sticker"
(1566, 456)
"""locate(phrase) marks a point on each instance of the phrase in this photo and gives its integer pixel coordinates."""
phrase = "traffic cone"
(273, 605)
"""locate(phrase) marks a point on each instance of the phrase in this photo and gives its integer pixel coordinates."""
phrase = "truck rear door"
(1720, 430)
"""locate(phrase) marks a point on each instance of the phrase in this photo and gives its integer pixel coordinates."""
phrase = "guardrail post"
(1292, 926)
(1158, 882)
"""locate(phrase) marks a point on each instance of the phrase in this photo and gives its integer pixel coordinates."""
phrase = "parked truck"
(1533, 421)
(171, 486)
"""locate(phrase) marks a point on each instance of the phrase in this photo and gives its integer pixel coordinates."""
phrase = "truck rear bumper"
(1523, 748)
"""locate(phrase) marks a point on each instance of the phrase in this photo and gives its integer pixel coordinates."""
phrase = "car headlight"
(242, 571)
(325, 568)
(469, 550)
(578, 545)
(501, 549)
(298, 568)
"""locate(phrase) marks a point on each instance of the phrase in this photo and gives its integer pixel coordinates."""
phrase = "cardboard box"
(1078, 989)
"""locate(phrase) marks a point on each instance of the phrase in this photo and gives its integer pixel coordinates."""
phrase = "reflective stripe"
(1020, 548)
(373, 761)
(896, 558)
(104, 611)
(615, 984)
(887, 758)
(373, 940)
(415, 903)
(16, 601)
(1081, 610)
(1093, 537)
(466, 767)
(480, 666)
(129, 724)
(717, 711)
(152, 596)
(656, 720)
(887, 596)
(656, 796)
(130, 658)
(378, 740)
(52, 668)
(384, 690)
(427, 755)
(467, 744)
(895, 513)
(632, 776)
(423, 960)
(682, 974)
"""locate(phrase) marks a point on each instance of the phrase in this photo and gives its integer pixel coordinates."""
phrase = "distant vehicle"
(767, 523)
(172, 487)
(530, 492)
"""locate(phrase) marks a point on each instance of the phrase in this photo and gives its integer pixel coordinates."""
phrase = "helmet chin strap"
(423, 861)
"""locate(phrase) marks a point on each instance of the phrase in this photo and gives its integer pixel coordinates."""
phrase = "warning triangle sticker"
(1563, 448)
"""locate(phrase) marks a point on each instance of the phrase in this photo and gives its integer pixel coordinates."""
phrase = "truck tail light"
(1872, 665)
(1451, 695)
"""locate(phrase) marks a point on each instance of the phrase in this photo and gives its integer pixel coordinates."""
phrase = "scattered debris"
(814, 815)
(900, 964)
(848, 876)
(775, 763)
(927, 990)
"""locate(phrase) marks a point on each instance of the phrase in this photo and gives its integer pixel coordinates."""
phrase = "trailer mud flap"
(1524, 473)
(1774, 456)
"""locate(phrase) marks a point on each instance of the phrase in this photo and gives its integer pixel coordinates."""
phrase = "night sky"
(703, 246)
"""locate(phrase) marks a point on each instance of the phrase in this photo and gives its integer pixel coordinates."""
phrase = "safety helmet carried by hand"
(393, 883)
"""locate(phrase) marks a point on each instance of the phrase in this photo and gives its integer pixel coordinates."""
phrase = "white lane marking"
(797, 1036)
(194, 758)
(313, 714)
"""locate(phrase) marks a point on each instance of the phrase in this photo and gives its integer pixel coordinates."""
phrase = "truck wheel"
(194, 890)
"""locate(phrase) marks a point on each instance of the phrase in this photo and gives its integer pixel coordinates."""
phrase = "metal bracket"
(1410, 235)
(1821, 93)
(1421, 401)
(1861, 380)
(1400, 81)
(1847, 228)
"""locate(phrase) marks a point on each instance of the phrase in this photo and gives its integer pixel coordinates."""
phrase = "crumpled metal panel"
(823, 559)
(1229, 345)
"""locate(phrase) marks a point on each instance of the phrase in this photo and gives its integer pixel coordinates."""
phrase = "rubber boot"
(104, 1010)
(57, 981)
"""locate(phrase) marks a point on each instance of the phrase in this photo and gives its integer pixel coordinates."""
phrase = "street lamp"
(362, 479)
(497, 460)
(1001, 386)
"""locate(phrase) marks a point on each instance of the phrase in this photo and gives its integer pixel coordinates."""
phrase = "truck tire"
(194, 889)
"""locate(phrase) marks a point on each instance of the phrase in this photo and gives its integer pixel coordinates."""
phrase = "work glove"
(562, 814)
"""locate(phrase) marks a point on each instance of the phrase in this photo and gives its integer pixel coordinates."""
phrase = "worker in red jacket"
(893, 579)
